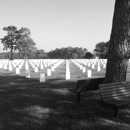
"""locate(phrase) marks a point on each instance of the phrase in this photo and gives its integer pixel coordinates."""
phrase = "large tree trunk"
(11, 53)
(119, 49)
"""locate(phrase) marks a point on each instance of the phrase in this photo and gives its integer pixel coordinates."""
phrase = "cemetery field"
(26, 103)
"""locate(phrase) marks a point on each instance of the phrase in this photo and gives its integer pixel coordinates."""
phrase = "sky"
(60, 23)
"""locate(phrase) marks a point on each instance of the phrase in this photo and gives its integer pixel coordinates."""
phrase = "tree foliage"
(10, 41)
(101, 50)
(88, 55)
(67, 53)
(18, 40)
(26, 43)
(41, 54)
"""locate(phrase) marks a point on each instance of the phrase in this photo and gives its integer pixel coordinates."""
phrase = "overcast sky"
(60, 23)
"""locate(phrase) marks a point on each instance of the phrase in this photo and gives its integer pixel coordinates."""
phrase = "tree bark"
(11, 53)
(119, 48)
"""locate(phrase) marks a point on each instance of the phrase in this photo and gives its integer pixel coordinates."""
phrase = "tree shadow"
(31, 105)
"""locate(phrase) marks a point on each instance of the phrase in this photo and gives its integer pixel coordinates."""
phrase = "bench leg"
(78, 97)
(116, 111)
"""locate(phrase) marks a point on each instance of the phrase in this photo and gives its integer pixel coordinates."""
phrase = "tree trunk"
(119, 48)
(11, 53)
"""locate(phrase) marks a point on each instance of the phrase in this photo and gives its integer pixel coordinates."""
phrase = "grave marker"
(67, 75)
(36, 69)
(48, 72)
(84, 70)
(89, 73)
(98, 68)
(42, 77)
(17, 71)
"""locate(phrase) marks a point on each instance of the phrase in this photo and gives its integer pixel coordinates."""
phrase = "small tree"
(10, 41)
(26, 43)
(101, 49)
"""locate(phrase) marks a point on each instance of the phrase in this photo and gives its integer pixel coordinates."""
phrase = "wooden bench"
(87, 85)
(115, 95)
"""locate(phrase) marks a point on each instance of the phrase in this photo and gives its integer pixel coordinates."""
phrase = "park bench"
(86, 85)
(115, 95)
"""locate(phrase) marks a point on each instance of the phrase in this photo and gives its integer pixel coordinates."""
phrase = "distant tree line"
(63, 53)
(21, 45)
(68, 53)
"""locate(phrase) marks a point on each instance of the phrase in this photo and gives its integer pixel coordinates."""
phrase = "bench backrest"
(89, 84)
(116, 91)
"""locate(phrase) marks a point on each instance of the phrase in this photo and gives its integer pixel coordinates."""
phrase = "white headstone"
(26, 65)
(81, 67)
(48, 72)
(104, 65)
(17, 71)
(67, 76)
(93, 66)
(42, 77)
(84, 70)
(36, 69)
(5, 67)
(98, 68)
(89, 73)
(10, 68)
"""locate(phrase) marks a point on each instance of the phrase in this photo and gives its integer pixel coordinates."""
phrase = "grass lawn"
(27, 104)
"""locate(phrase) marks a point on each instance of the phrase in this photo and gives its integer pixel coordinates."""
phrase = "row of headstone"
(95, 64)
(8, 65)
(18, 64)
(52, 65)
(91, 64)
(37, 64)
(82, 68)
(50, 70)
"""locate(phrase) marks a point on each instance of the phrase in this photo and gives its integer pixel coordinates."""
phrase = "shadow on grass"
(26, 104)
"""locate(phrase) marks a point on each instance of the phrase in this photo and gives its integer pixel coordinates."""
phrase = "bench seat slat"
(116, 92)
(114, 86)
(109, 84)
(116, 83)
(127, 88)
(123, 91)
(115, 97)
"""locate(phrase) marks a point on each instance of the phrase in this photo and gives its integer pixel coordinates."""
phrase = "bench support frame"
(114, 102)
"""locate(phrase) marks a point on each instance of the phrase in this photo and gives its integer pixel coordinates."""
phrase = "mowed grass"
(27, 104)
